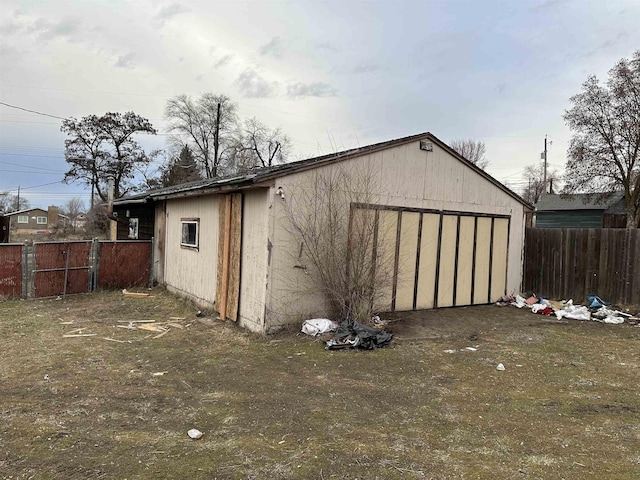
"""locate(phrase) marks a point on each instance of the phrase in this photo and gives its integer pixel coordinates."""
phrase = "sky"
(331, 74)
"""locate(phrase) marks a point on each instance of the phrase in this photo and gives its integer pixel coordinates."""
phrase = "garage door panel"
(499, 258)
(386, 253)
(406, 273)
(465, 261)
(447, 263)
(483, 252)
(428, 260)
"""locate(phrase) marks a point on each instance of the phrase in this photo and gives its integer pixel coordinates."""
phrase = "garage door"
(429, 259)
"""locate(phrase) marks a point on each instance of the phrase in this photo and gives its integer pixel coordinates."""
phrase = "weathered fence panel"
(11, 270)
(61, 268)
(573, 263)
(49, 269)
(124, 264)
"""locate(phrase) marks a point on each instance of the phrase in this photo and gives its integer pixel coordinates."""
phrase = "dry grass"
(567, 405)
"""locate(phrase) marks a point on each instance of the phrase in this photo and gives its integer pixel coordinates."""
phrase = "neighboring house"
(79, 221)
(227, 244)
(36, 220)
(581, 210)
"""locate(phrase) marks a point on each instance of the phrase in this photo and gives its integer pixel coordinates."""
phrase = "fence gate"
(61, 268)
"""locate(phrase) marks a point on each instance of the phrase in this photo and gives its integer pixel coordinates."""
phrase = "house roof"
(27, 210)
(259, 175)
(578, 201)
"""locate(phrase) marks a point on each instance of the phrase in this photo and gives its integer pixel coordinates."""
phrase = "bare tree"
(207, 125)
(340, 251)
(72, 209)
(472, 150)
(103, 148)
(534, 187)
(604, 152)
(12, 203)
(259, 146)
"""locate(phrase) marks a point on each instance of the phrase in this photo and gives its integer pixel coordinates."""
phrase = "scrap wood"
(77, 330)
(152, 328)
(67, 323)
(177, 318)
(135, 294)
(128, 327)
(80, 335)
(115, 340)
(163, 333)
(136, 321)
(176, 325)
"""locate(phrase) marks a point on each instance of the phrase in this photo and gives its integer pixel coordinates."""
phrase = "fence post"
(152, 266)
(94, 261)
(25, 268)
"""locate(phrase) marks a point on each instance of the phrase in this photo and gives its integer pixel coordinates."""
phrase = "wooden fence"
(573, 263)
(49, 269)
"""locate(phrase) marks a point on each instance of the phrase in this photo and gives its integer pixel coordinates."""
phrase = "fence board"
(124, 264)
(572, 263)
(10, 270)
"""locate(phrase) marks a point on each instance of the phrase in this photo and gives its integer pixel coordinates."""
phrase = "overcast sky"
(332, 74)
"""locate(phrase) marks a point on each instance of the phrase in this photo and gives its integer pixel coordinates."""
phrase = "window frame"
(38, 222)
(22, 217)
(189, 221)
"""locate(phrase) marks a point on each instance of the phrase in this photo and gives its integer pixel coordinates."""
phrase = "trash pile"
(350, 333)
(598, 310)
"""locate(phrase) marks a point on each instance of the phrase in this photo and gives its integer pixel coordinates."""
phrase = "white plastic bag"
(316, 326)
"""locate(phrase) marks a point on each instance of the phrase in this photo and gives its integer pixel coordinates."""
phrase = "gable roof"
(27, 210)
(258, 175)
(578, 201)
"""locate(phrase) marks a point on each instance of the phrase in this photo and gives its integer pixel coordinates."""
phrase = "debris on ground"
(598, 310)
(195, 434)
(500, 367)
(135, 294)
(317, 326)
(352, 334)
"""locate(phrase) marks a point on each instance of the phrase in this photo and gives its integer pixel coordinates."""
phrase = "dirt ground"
(118, 403)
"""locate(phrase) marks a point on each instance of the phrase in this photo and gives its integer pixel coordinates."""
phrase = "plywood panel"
(499, 261)
(428, 259)
(407, 261)
(446, 271)
(481, 270)
(465, 261)
(387, 232)
(233, 295)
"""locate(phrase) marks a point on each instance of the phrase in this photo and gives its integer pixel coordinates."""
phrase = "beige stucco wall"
(187, 271)
(403, 176)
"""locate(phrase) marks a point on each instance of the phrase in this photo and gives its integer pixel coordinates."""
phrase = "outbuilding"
(453, 234)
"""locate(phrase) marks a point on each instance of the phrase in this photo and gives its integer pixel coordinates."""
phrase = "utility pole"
(216, 144)
(18, 206)
(544, 182)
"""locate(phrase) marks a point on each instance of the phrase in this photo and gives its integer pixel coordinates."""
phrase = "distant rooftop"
(578, 201)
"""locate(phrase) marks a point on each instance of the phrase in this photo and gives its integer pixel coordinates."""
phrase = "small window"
(189, 232)
(41, 220)
(133, 229)
(23, 218)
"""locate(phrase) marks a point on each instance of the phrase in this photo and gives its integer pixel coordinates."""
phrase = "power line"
(32, 111)
(29, 166)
